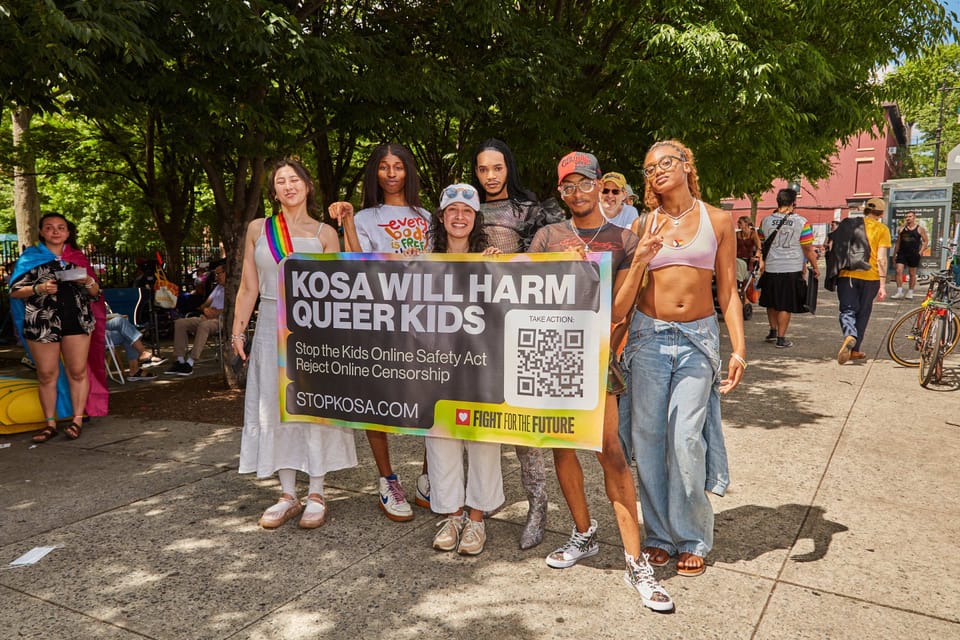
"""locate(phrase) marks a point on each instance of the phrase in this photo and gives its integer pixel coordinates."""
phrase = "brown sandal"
(73, 430)
(47, 433)
(690, 565)
(656, 556)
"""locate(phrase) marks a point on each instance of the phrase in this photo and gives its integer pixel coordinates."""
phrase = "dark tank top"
(910, 241)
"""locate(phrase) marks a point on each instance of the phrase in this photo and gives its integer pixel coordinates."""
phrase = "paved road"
(842, 522)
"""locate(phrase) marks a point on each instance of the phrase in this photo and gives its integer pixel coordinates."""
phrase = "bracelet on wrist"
(740, 359)
(35, 292)
(238, 336)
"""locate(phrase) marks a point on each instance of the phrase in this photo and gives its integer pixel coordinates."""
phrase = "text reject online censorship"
(510, 348)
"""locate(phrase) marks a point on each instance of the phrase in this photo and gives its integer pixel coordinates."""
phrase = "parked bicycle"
(923, 337)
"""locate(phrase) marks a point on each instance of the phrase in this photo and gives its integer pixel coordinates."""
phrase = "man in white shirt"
(200, 326)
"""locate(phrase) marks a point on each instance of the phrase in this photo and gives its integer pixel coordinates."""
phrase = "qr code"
(550, 363)
(551, 359)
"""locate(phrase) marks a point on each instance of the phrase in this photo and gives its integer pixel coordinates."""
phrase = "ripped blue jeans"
(675, 428)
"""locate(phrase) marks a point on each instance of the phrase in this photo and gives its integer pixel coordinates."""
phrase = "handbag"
(765, 247)
(752, 294)
(164, 291)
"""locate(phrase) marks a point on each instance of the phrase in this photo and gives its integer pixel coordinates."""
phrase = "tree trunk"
(26, 198)
(754, 202)
(234, 211)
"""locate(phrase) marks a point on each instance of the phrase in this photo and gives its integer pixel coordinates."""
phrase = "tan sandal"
(316, 519)
(286, 508)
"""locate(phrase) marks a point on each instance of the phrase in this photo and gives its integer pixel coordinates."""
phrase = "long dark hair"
(372, 193)
(476, 241)
(304, 175)
(515, 191)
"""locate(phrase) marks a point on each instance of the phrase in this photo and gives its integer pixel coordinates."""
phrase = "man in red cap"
(588, 230)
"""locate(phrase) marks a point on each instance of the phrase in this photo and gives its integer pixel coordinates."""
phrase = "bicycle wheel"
(931, 348)
(903, 341)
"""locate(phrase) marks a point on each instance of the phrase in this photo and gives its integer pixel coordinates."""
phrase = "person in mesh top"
(511, 213)
(511, 216)
(588, 230)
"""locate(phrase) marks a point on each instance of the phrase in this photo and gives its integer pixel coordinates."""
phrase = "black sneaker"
(783, 343)
(772, 336)
(179, 369)
(140, 375)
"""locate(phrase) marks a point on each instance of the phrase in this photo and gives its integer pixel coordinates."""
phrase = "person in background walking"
(912, 241)
(789, 238)
(857, 289)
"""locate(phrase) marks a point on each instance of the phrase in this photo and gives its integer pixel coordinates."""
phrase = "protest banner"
(511, 349)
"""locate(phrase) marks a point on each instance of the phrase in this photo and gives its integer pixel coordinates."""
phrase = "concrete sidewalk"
(842, 522)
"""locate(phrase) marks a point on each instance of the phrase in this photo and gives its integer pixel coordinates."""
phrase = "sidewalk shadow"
(747, 532)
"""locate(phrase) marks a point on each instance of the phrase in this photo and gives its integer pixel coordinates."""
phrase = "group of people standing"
(665, 266)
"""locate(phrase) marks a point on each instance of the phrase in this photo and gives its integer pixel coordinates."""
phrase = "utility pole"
(936, 152)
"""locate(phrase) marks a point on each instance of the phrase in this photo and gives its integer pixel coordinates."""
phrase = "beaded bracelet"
(740, 359)
(238, 336)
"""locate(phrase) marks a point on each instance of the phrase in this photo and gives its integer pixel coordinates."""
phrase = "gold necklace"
(577, 234)
(676, 219)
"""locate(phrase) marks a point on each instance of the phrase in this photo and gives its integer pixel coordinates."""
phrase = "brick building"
(860, 167)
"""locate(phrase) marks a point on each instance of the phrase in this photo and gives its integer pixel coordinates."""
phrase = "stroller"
(746, 282)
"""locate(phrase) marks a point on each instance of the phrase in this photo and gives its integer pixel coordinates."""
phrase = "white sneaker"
(422, 499)
(579, 546)
(639, 575)
(909, 295)
(393, 501)
(897, 295)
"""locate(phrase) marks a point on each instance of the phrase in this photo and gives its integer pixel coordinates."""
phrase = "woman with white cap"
(457, 227)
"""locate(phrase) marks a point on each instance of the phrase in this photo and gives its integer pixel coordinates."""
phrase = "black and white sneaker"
(140, 375)
(180, 369)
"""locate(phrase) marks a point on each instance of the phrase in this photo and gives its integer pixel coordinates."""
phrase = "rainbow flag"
(278, 236)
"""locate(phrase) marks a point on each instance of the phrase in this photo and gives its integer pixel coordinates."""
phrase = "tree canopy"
(181, 100)
(927, 89)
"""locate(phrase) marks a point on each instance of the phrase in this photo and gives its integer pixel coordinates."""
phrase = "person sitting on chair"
(200, 326)
(123, 333)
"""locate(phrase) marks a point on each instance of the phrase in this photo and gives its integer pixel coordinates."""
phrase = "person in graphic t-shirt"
(391, 221)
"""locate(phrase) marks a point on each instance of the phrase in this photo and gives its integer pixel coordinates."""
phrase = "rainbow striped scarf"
(278, 236)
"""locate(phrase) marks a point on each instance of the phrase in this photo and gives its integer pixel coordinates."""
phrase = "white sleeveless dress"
(267, 444)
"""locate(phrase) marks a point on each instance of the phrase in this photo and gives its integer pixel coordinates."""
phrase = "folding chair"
(115, 372)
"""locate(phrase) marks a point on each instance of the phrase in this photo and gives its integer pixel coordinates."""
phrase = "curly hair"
(301, 171)
(650, 198)
(476, 241)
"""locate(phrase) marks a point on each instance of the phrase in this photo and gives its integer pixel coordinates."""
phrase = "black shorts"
(911, 260)
(783, 291)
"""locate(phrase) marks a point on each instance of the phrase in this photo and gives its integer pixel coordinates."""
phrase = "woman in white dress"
(267, 447)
